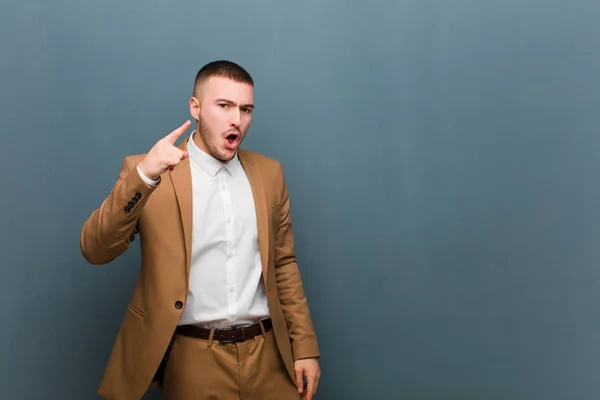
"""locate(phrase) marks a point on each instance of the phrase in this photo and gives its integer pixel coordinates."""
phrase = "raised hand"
(164, 155)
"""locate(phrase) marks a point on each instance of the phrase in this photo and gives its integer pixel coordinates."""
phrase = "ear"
(195, 108)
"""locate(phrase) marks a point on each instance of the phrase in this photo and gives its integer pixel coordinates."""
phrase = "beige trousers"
(205, 370)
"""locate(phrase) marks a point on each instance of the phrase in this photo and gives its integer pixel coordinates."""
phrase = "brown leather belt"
(225, 335)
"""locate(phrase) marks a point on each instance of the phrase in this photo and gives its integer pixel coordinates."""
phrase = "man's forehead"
(220, 86)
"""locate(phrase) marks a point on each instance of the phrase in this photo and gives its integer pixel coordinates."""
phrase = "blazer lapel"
(260, 205)
(181, 177)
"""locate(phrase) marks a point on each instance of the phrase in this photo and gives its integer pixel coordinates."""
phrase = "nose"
(236, 118)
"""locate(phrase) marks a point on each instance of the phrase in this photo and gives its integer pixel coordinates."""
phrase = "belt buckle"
(232, 337)
(228, 336)
(227, 339)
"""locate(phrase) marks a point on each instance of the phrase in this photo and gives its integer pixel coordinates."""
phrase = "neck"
(200, 143)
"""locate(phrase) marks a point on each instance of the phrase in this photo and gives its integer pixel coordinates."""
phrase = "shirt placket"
(225, 189)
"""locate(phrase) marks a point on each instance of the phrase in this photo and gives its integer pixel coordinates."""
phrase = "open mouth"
(232, 139)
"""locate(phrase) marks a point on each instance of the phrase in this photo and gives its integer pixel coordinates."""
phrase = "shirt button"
(231, 290)
(223, 187)
(178, 305)
(228, 219)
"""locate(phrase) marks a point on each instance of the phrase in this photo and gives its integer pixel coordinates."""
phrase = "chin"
(224, 157)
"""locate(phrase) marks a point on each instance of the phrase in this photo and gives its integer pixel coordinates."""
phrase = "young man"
(219, 310)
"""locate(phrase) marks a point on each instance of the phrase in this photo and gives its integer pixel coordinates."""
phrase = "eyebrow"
(232, 103)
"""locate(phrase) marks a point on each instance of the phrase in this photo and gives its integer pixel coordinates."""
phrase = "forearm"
(111, 228)
(296, 311)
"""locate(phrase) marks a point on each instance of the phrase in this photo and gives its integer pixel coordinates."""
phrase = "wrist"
(145, 178)
(146, 173)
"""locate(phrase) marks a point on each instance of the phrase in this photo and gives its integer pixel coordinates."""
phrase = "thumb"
(299, 382)
(184, 155)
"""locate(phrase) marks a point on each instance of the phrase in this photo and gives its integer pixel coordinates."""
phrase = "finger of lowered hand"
(310, 386)
(299, 382)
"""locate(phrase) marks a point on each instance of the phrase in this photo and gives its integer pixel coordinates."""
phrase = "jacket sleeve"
(112, 227)
(289, 286)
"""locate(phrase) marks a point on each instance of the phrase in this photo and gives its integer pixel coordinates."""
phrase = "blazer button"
(127, 209)
(178, 305)
(138, 195)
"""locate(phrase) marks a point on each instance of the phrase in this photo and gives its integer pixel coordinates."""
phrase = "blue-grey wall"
(442, 157)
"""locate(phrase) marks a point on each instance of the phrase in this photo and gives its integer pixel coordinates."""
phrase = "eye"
(246, 110)
(223, 105)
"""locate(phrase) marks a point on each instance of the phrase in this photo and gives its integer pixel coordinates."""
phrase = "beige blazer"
(162, 217)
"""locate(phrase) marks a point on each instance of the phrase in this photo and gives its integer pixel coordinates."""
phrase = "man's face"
(223, 109)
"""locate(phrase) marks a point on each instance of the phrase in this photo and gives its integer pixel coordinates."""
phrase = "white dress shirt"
(226, 289)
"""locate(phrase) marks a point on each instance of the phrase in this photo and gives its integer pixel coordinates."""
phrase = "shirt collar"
(208, 163)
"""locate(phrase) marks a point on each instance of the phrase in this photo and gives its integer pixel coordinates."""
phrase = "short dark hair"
(224, 69)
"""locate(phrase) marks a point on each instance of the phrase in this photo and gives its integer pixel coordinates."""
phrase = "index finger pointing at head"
(173, 136)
